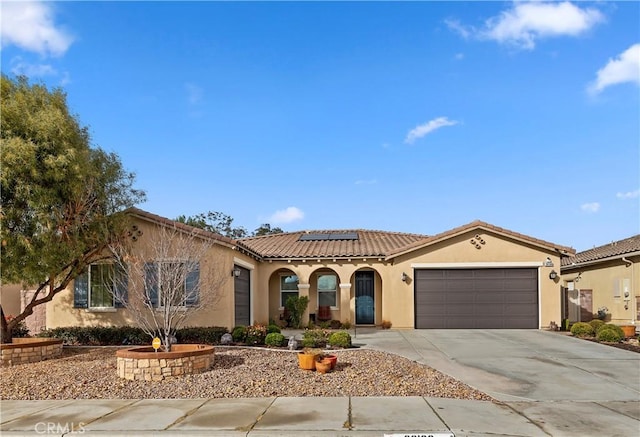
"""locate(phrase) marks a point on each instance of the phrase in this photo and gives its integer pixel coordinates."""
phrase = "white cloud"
(195, 93)
(459, 56)
(526, 22)
(628, 195)
(459, 28)
(624, 68)
(30, 26)
(590, 207)
(20, 67)
(428, 127)
(287, 215)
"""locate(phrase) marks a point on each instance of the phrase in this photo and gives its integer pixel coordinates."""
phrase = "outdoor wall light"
(553, 275)
(236, 272)
(404, 277)
(548, 262)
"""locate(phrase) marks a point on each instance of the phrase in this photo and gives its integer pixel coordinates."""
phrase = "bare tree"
(174, 275)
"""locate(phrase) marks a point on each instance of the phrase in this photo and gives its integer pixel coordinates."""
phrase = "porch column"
(303, 290)
(345, 302)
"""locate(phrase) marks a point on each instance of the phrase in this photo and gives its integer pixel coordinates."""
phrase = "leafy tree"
(62, 200)
(214, 221)
(266, 229)
(222, 224)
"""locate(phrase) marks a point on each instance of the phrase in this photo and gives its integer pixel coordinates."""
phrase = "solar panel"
(329, 236)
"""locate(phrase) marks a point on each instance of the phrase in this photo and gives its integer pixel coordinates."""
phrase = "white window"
(288, 288)
(102, 285)
(327, 289)
(172, 283)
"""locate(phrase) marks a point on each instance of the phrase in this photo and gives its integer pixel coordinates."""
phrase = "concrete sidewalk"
(344, 416)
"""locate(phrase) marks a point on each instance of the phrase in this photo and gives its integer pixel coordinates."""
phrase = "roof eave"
(598, 261)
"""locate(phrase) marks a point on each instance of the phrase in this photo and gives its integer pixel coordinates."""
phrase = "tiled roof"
(613, 249)
(486, 226)
(369, 243)
(168, 222)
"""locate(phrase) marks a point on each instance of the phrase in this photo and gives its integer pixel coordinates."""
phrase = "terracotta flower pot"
(323, 366)
(629, 330)
(333, 359)
(306, 361)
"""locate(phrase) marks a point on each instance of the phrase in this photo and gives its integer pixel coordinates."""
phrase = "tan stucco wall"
(10, 298)
(601, 278)
(219, 260)
(498, 251)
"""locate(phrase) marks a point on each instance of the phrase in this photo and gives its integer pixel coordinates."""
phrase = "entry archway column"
(345, 302)
(303, 290)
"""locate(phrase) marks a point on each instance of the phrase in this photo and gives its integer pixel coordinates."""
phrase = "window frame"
(112, 287)
(285, 291)
(157, 264)
(334, 291)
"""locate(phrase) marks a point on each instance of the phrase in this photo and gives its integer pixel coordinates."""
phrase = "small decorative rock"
(226, 339)
(293, 344)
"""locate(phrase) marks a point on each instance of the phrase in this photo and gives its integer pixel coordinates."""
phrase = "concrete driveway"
(519, 365)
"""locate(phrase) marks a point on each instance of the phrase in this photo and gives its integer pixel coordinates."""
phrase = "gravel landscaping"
(90, 373)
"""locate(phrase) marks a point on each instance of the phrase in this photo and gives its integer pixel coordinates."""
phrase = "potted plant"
(307, 358)
(323, 366)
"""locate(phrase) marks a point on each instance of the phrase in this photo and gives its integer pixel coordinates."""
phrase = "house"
(474, 276)
(605, 277)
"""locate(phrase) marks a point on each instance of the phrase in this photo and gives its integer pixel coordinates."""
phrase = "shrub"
(581, 329)
(610, 326)
(335, 324)
(346, 325)
(296, 306)
(609, 335)
(20, 330)
(315, 338)
(325, 324)
(596, 324)
(273, 328)
(274, 339)
(340, 339)
(204, 335)
(256, 334)
(239, 334)
(386, 324)
(98, 335)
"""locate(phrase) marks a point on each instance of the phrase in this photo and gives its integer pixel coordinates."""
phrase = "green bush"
(596, 324)
(296, 306)
(202, 335)
(582, 329)
(274, 339)
(610, 326)
(273, 328)
(315, 338)
(340, 339)
(98, 335)
(256, 334)
(609, 335)
(239, 334)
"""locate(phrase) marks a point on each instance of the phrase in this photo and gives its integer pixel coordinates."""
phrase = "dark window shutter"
(81, 290)
(192, 286)
(121, 287)
(151, 283)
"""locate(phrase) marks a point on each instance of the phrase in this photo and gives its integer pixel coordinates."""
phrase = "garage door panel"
(476, 298)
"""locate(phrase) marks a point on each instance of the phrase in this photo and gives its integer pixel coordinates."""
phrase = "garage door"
(476, 298)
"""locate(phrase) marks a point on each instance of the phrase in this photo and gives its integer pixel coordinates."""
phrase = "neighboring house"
(474, 276)
(603, 277)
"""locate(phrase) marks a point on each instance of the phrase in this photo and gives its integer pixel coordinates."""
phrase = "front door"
(365, 304)
(586, 305)
(242, 297)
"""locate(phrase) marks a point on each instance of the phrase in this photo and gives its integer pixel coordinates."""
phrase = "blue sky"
(404, 116)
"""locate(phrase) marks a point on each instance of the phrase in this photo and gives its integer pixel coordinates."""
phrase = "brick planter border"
(144, 364)
(29, 350)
